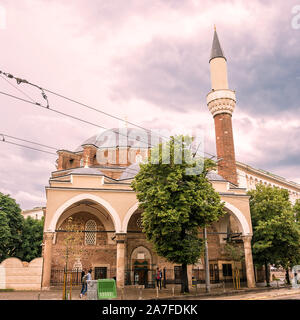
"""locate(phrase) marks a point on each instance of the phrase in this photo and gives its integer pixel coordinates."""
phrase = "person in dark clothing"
(158, 277)
(84, 284)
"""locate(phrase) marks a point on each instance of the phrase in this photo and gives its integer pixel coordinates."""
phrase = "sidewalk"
(137, 293)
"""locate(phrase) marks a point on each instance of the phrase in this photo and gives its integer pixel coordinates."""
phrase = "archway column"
(120, 238)
(249, 261)
(47, 258)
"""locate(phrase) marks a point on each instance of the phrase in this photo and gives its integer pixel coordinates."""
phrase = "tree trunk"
(287, 276)
(267, 274)
(184, 279)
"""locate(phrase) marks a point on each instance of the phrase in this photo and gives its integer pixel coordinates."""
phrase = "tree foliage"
(14, 221)
(176, 203)
(19, 237)
(32, 238)
(276, 234)
(4, 235)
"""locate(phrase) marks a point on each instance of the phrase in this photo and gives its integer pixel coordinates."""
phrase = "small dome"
(131, 171)
(119, 137)
(213, 176)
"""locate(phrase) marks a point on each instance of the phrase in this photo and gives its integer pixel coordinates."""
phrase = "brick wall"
(225, 147)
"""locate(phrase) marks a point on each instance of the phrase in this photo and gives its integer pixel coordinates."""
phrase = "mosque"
(92, 186)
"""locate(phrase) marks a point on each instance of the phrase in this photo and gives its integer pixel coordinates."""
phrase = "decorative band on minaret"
(221, 103)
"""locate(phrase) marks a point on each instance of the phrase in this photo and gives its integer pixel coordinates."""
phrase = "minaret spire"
(221, 103)
(216, 49)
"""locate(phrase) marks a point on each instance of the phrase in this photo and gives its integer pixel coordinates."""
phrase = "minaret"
(221, 103)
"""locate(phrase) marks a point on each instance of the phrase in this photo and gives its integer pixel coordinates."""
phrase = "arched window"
(90, 236)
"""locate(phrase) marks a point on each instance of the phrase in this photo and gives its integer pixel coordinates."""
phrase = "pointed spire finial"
(216, 50)
(215, 27)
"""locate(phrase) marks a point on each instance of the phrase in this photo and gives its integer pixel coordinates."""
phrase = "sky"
(147, 62)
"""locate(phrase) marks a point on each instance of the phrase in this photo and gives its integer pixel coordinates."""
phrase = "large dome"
(119, 137)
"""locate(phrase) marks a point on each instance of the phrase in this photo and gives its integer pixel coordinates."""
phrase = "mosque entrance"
(140, 270)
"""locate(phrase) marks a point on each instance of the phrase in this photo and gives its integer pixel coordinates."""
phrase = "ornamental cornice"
(221, 101)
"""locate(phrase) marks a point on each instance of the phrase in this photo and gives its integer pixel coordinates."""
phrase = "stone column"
(249, 261)
(121, 237)
(47, 258)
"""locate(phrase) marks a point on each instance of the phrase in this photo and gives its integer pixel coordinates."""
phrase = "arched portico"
(93, 206)
(85, 196)
(243, 224)
(244, 228)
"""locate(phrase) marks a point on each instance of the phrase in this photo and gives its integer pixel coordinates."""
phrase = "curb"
(219, 294)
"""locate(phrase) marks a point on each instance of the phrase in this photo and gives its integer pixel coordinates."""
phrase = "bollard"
(224, 286)
(157, 292)
(173, 290)
(141, 294)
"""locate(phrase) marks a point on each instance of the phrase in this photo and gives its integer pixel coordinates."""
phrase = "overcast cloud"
(147, 61)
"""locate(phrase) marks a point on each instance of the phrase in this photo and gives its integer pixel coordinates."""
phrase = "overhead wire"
(19, 81)
(128, 169)
(36, 143)
(62, 113)
(24, 146)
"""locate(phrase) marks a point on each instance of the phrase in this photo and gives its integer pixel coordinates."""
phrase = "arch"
(85, 196)
(240, 218)
(235, 211)
(128, 215)
(143, 248)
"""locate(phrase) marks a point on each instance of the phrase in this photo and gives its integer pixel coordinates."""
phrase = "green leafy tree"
(176, 202)
(32, 238)
(15, 220)
(4, 235)
(275, 232)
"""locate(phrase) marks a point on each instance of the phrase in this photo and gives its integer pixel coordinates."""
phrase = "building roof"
(86, 170)
(131, 171)
(216, 50)
(119, 137)
(213, 176)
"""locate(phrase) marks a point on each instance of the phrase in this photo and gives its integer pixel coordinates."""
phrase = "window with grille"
(90, 236)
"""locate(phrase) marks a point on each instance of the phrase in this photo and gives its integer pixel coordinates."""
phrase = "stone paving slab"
(137, 293)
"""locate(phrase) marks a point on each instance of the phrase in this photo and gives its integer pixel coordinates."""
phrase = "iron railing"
(144, 276)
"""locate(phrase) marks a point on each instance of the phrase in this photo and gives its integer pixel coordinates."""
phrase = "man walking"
(158, 277)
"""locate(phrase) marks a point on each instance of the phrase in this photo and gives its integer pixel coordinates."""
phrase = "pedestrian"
(158, 277)
(83, 283)
(85, 278)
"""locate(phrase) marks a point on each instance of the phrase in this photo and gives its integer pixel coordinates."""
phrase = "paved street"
(133, 293)
(280, 294)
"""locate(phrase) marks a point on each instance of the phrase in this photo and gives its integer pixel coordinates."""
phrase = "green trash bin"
(107, 289)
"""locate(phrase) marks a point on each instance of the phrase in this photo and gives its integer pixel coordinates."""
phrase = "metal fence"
(146, 277)
(58, 277)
